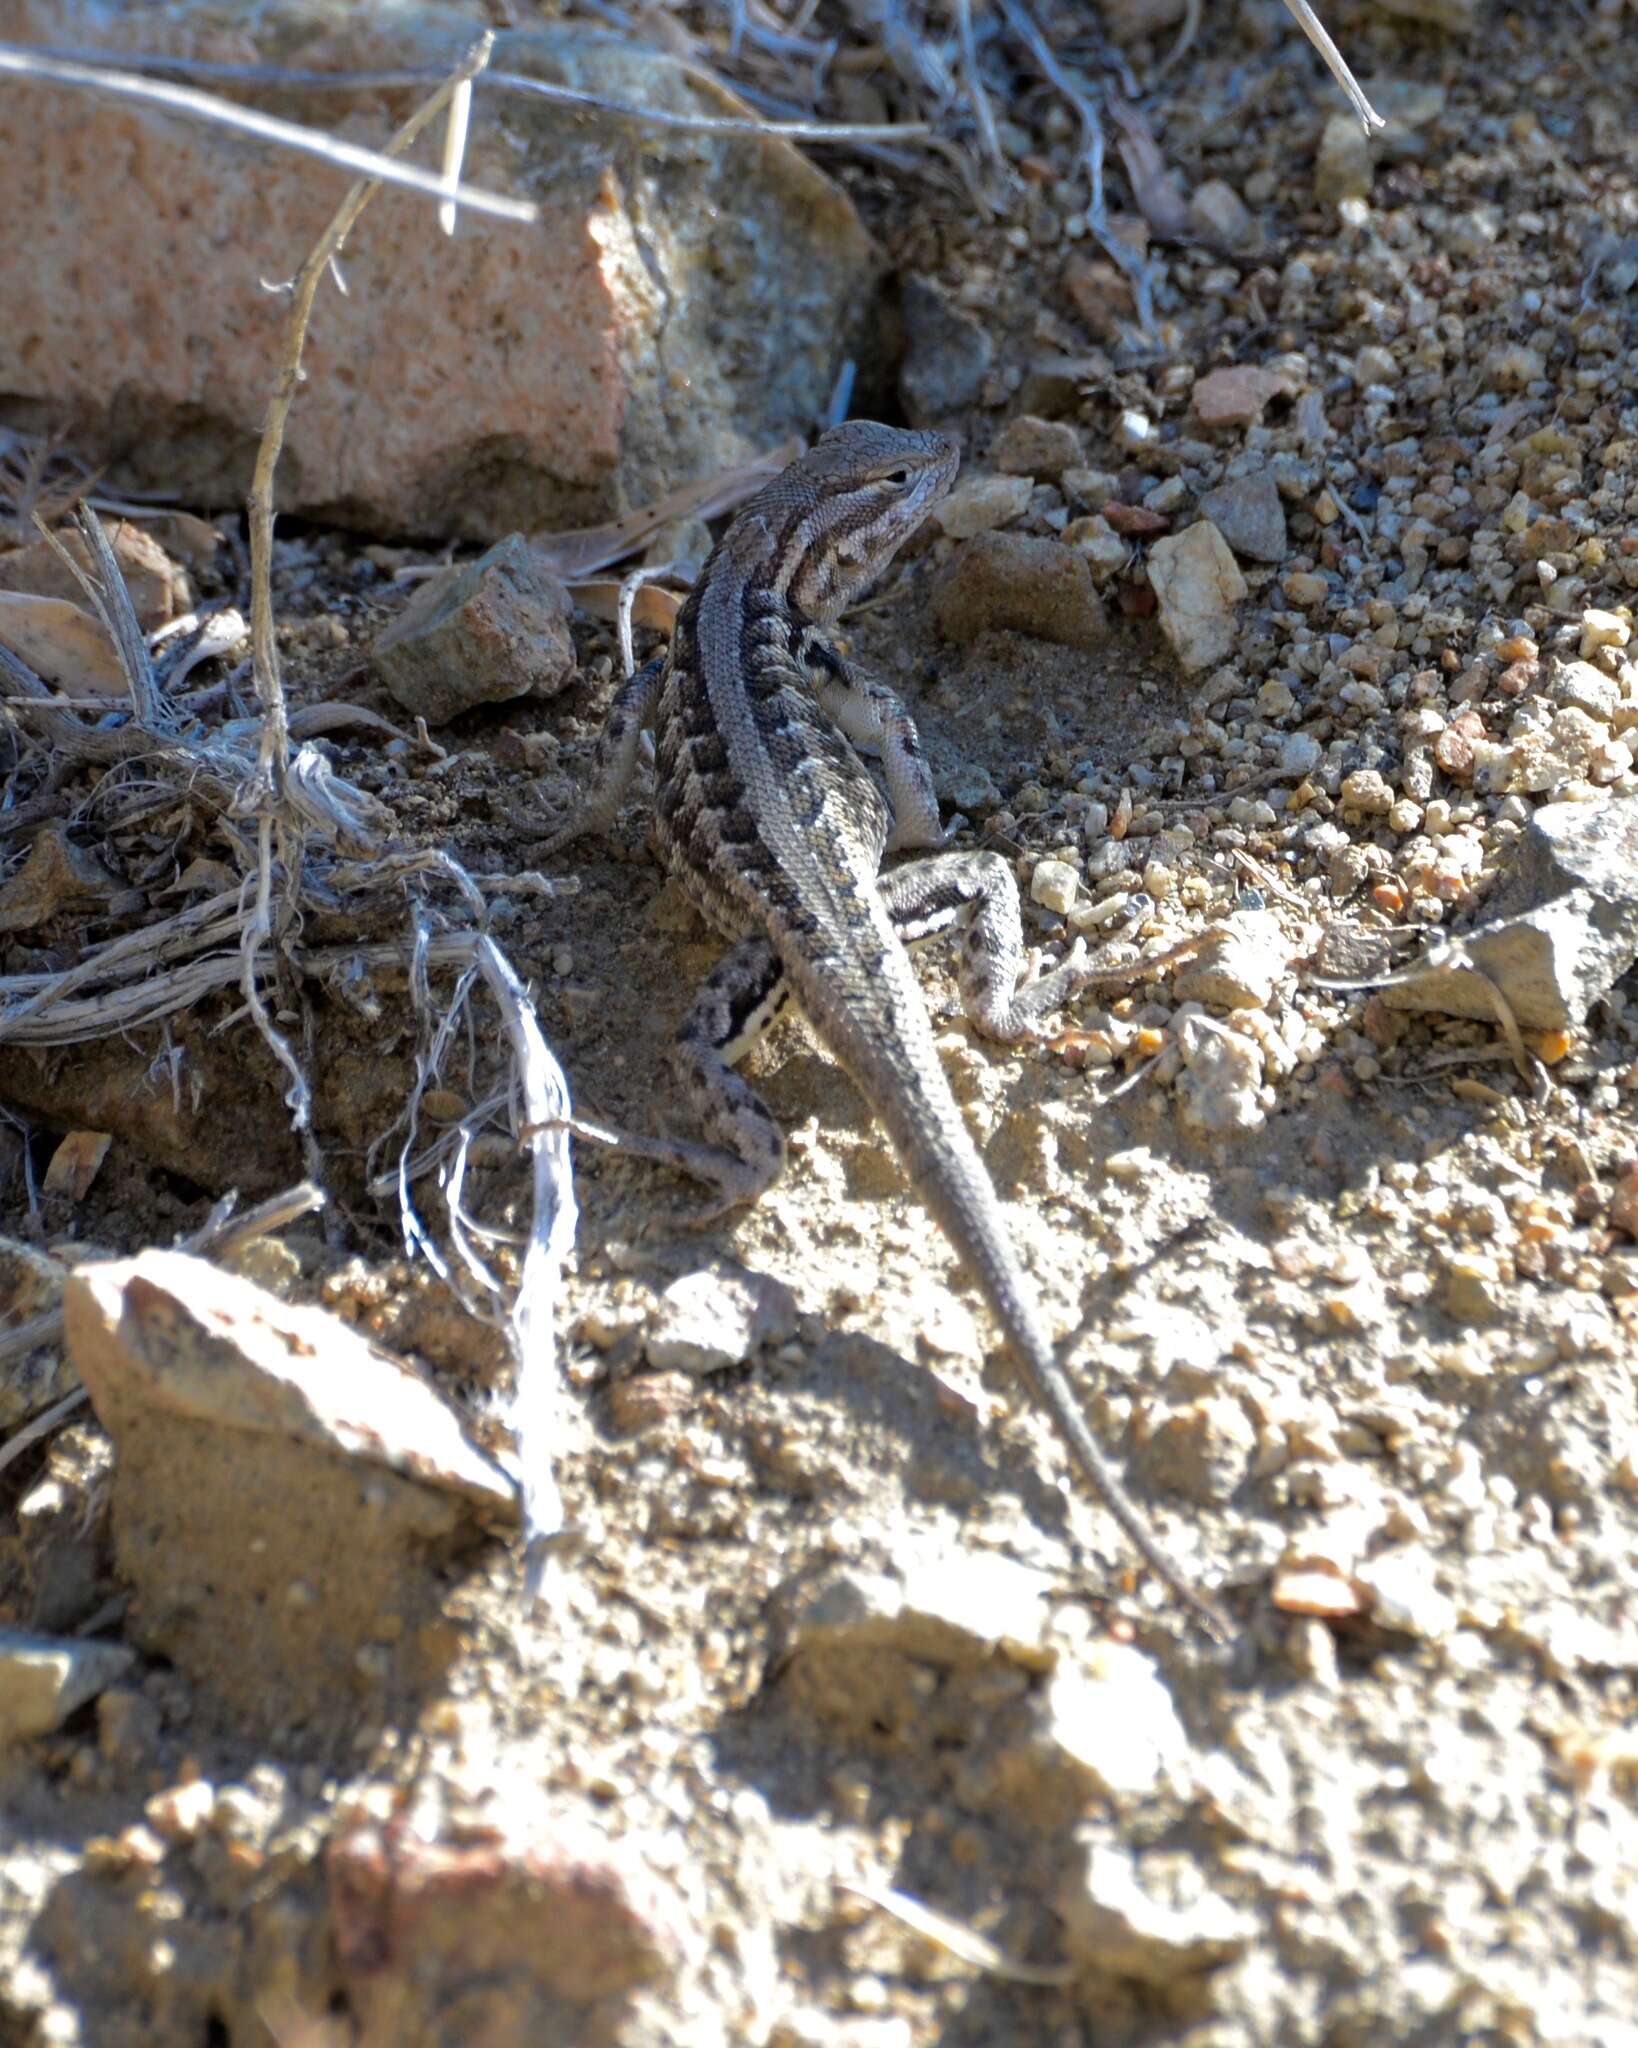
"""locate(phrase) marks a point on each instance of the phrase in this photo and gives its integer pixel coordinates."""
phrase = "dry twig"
(271, 799)
(956, 1938)
(203, 106)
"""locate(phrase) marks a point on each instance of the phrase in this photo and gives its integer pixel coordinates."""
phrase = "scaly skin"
(775, 828)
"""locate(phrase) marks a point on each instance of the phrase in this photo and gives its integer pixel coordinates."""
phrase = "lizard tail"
(892, 1058)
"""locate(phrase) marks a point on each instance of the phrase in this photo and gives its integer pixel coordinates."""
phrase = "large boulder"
(684, 300)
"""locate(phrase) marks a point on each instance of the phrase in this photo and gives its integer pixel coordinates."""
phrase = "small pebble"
(1054, 885)
(1603, 629)
(978, 504)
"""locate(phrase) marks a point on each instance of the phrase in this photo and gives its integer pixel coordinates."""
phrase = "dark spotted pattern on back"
(777, 831)
(740, 859)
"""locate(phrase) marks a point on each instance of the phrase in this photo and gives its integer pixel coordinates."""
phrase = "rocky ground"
(1279, 641)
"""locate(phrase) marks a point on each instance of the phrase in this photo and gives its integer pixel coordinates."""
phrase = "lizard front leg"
(977, 891)
(870, 715)
(616, 755)
(744, 1149)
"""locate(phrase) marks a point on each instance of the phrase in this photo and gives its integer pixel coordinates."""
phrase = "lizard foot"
(733, 1181)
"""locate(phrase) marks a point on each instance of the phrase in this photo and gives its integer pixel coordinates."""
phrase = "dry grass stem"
(956, 1938)
(282, 800)
(53, 1417)
(712, 124)
(111, 602)
(202, 106)
(409, 78)
(1314, 29)
(1190, 28)
(977, 97)
(538, 1106)
(303, 291)
(455, 132)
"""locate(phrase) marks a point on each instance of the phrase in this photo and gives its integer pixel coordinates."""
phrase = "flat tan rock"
(1017, 583)
(166, 1332)
(1234, 396)
(149, 574)
(677, 307)
(289, 1501)
(481, 632)
(1197, 583)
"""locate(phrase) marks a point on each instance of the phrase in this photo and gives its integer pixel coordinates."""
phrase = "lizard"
(776, 830)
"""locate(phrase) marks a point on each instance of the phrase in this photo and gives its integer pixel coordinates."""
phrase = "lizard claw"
(1077, 962)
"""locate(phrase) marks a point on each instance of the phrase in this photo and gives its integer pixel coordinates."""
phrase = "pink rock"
(511, 1922)
(1138, 522)
(149, 577)
(1235, 396)
(676, 308)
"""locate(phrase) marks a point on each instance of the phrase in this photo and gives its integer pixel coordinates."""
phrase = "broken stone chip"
(289, 1501)
(482, 633)
(44, 1679)
(1197, 584)
(1559, 930)
(57, 873)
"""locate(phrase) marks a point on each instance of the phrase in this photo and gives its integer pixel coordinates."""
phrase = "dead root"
(302, 840)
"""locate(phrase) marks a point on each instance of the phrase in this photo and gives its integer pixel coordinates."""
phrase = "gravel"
(1350, 1300)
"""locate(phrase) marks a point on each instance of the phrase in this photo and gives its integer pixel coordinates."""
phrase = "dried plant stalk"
(21, 62)
(275, 736)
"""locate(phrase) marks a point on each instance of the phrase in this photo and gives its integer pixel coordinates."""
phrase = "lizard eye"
(897, 476)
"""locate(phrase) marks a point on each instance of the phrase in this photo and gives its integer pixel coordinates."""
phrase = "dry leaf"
(75, 1163)
(654, 607)
(63, 644)
(589, 548)
(313, 719)
(1157, 192)
(960, 1940)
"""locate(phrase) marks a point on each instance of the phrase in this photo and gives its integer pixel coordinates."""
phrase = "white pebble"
(1054, 885)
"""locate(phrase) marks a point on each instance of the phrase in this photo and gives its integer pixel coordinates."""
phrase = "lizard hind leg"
(742, 1149)
(976, 892)
(615, 758)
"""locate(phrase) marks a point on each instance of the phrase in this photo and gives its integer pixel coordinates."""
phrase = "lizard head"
(842, 511)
